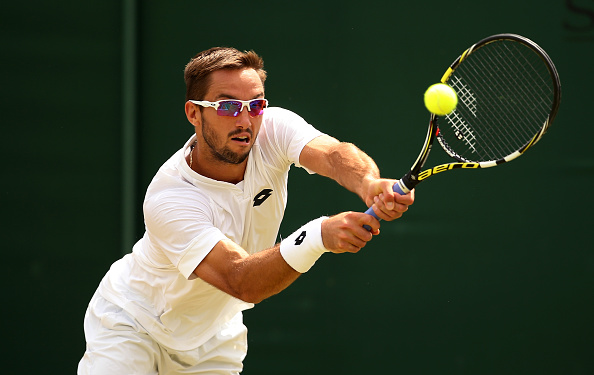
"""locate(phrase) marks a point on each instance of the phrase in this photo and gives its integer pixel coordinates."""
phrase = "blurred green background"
(490, 272)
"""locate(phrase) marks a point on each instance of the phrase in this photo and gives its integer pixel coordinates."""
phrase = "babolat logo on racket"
(300, 238)
(262, 196)
(445, 167)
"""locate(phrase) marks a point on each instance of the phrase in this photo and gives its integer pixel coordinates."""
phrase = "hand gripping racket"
(508, 96)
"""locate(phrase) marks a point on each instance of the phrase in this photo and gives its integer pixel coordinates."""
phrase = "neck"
(210, 166)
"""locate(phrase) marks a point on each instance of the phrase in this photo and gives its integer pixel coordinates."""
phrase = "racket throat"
(407, 183)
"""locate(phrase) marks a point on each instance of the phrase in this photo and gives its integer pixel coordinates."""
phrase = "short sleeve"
(289, 132)
(181, 230)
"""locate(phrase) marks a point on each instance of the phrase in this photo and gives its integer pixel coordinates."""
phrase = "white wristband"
(302, 248)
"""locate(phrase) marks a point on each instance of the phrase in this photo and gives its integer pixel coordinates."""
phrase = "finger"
(400, 203)
(349, 245)
(383, 212)
(407, 199)
(389, 215)
(400, 208)
(359, 240)
(388, 197)
(370, 225)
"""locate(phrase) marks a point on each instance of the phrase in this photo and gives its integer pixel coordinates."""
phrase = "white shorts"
(118, 344)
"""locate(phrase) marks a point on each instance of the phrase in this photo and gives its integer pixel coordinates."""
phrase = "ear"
(193, 114)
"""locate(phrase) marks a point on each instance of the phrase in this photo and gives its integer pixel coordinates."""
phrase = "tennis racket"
(508, 96)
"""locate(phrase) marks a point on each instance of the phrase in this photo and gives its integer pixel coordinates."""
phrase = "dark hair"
(198, 70)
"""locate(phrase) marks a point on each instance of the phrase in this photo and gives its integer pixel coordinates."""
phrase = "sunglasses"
(234, 107)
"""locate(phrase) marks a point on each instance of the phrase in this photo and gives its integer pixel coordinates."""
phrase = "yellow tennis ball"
(440, 99)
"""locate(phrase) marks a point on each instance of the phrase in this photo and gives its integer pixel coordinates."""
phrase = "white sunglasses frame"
(216, 105)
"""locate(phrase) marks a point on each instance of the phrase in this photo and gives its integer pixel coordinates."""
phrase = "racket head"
(508, 96)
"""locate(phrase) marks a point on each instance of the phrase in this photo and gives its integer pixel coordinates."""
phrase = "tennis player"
(212, 213)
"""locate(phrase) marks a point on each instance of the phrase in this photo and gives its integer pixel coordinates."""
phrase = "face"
(230, 139)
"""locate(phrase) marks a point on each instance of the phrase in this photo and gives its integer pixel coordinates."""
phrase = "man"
(212, 216)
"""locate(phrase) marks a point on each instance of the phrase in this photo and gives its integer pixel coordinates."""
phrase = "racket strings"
(510, 106)
(518, 69)
(505, 94)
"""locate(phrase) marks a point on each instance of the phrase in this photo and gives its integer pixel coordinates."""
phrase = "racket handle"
(399, 188)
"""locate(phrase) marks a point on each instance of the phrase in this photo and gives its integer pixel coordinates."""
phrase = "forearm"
(356, 171)
(341, 161)
(251, 278)
(263, 275)
(255, 277)
(352, 168)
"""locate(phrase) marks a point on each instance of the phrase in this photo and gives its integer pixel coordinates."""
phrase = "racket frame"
(415, 176)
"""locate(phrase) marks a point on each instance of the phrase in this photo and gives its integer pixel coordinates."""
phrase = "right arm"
(253, 278)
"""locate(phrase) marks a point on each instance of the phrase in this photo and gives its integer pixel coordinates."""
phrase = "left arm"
(356, 171)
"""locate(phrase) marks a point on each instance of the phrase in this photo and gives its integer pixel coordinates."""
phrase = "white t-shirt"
(186, 215)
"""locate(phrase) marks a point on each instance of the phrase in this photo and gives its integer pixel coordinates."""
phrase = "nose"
(243, 119)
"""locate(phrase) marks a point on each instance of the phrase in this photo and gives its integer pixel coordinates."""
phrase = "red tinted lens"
(229, 108)
(257, 107)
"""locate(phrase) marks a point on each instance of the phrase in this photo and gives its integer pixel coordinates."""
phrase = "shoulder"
(170, 192)
(283, 124)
